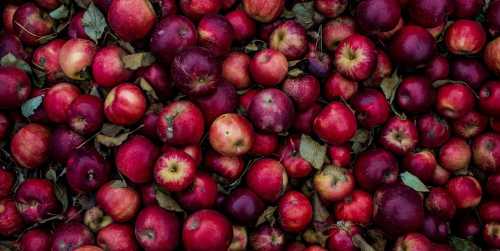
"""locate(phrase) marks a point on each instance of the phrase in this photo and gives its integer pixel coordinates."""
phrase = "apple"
(10, 43)
(371, 106)
(108, 70)
(36, 200)
(11, 221)
(465, 37)
(290, 39)
(216, 34)
(331, 8)
(195, 72)
(486, 151)
(35, 240)
(72, 235)
(472, 71)
(207, 230)
(267, 238)
(156, 76)
(491, 185)
(356, 208)
(383, 69)
(224, 100)
(268, 67)
(454, 100)
(333, 183)
(470, 125)
(428, 13)
(174, 171)
(86, 170)
(440, 203)
(58, 100)
(455, 154)
(271, 111)
(492, 16)
(264, 144)
(7, 182)
(201, 195)
(125, 104)
(121, 203)
(62, 143)
(378, 15)
(180, 123)
(76, 56)
(375, 168)
(303, 121)
(196, 9)
(30, 145)
(399, 135)
(413, 242)
(335, 124)
(489, 211)
(117, 237)
(231, 135)
(491, 58)
(433, 130)
(415, 94)
(467, 8)
(337, 30)
(131, 20)
(438, 68)
(8, 17)
(465, 191)
(243, 206)
(490, 234)
(46, 59)
(412, 46)
(336, 86)
(264, 11)
(171, 35)
(355, 57)
(75, 27)
(32, 25)
(422, 164)
(243, 26)
(157, 229)
(489, 96)
(319, 63)
(230, 168)
(295, 165)
(295, 212)
(16, 88)
(235, 69)
(340, 236)
(240, 239)
(267, 178)
(85, 114)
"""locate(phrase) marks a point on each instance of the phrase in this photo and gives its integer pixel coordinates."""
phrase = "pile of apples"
(266, 125)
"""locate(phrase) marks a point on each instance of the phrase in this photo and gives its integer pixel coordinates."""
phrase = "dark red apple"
(157, 229)
(131, 20)
(58, 100)
(207, 230)
(271, 110)
(412, 46)
(230, 168)
(467, 8)
(125, 104)
(295, 212)
(471, 71)
(335, 124)
(340, 155)
(196, 9)
(465, 37)
(470, 125)
(489, 98)
(62, 143)
(336, 86)
(117, 237)
(216, 34)
(243, 26)
(330, 8)
(433, 130)
(267, 238)
(439, 202)
(35, 240)
(356, 57)
(340, 237)
(264, 144)
(7, 182)
(267, 178)
(32, 25)
(465, 191)
(454, 100)
(180, 123)
(15, 89)
(8, 16)
(201, 195)
(86, 114)
(489, 211)
(371, 106)
(422, 164)
(438, 68)
(172, 35)
(46, 59)
(71, 236)
(30, 145)
(244, 206)
(319, 63)
(268, 67)
(156, 76)
(36, 200)
(399, 135)
(223, 100)
(108, 70)
(303, 122)
(11, 221)
(493, 18)
(86, 170)
(303, 90)
(378, 15)
(415, 94)
(374, 168)
(428, 13)
(356, 208)
(491, 56)
(75, 27)
(135, 159)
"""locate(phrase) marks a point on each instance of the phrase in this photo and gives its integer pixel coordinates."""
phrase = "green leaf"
(304, 14)
(29, 107)
(361, 243)
(148, 89)
(389, 85)
(413, 182)
(11, 60)
(62, 196)
(51, 175)
(165, 201)
(255, 45)
(60, 13)
(94, 23)
(312, 151)
(463, 244)
(266, 216)
(320, 212)
(361, 140)
(295, 72)
(138, 60)
(111, 141)
(441, 82)
(118, 184)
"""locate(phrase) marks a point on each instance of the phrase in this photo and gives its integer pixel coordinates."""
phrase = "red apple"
(412, 46)
(399, 135)
(422, 164)
(86, 114)
(415, 94)
(157, 78)
(201, 195)
(157, 229)
(333, 183)
(35, 240)
(371, 106)
(174, 171)
(15, 89)
(438, 68)
(455, 154)
(135, 159)
(439, 202)
(493, 18)
(121, 203)
(244, 206)
(295, 165)
(125, 104)
(340, 237)
(32, 25)
(46, 59)
(489, 211)
(117, 237)
(465, 37)
(216, 34)
(268, 67)
(470, 125)
(356, 208)
(433, 130)
(131, 20)
(454, 100)
(295, 212)
(413, 242)
(86, 170)
(264, 144)
(75, 27)
(11, 221)
(235, 69)
(76, 56)
(30, 145)
(180, 123)
(7, 182)
(196, 9)
(62, 143)
(303, 122)
(340, 155)
(491, 56)
(489, 98)
(243, 26)
(337, 30)
(290, 39)
(230, 168)
(207, 230)
(267, 238)
(108, 70)
(355, 57)
(8, 17)
(73, 235)
(264, 11)
(486, 151)
(267, 178)
(378, 15)
(58, 100)
(335, 124)
(336, 86)
(271, 110)
(223, 100)
(231, 135)
(465, 191)
(330, 8)
(428, 13)
(240, 239)
(375, 168)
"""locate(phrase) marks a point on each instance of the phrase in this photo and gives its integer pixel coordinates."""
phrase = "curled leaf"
(267, 216)
(29, 107)
(320, 212)
(312, 151)
(118, 184)
(94, 23)
(463, 244)
(441, 82)
(361, 140)
(304, 13)
(389, 85)
(111, 141)
(138, 60)
(165, 201)
(414, 182)
(360, 242)
(60, 13)
(11, 60)
(255, 45)
(150, 92)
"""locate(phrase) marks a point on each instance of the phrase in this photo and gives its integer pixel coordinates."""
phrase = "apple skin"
(268, 67)
(356, 57)
(455, 154)
(337, 86)
(4, 125)
(131, 20)
(330, 8)
(231, 135)
(58, 100)
(438, 68)
(413, 242)
(491, 56)
(319, 63)
(491, 184)
(296, 166)
(11, 221)
(493, 18)
(76, 56)
(196, 9)
(216, 34)
(383, 69)
(371, 106)
(303, 121)
(7, 182)
(117, 237)
(422, 164)
(174, 171)
(490, 235)
(230, 168)
(267, 238)
(72, 234)
(399, 135)
(489, 211)
(398, 209)
(16, 88)
(157, 229)
(36, 200)
(86, 114)
(333, 183)
(121, 203)
(264, 144)
(339, 155)
(46, 59)
(290, 39)
(35, 240)
(304, 91)
(201, 195)
(295, 212)
(243, 26)
(271, 111)
(412, 46)
(428, 13)
(439, 202)
(415, 94)
(75, 27)
(267, 178)
(10, 43)
(180, 123)
(465, 37)
(86, 170)
(135, 159)
(465, 191)
(264, 11)
(337, 30)
(340, 237)
(489, 98)
(196, 72)
(244, 206)
(486, 151)
(433, 131)
(356, 208)
(125, 104)
(172, 35)
(470, 125)
(207, 230)
(158, 79)
(8, 17)
(378, 15)
(31, 24)
(375, 168)
(235, 69)
(223, 100)
(108, 69)
(30, 145)
(335, 124)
